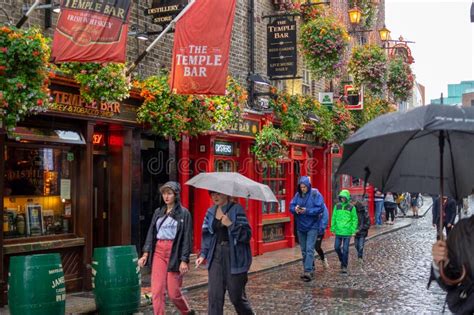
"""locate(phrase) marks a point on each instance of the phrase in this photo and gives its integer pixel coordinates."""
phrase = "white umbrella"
(233, 184)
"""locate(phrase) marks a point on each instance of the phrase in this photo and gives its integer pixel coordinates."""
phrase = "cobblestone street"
(392, 280)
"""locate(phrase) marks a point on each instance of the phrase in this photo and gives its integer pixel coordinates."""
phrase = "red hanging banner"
(201, 48)
(91, 31)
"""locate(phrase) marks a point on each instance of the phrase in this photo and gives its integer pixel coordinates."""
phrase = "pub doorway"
(101, 201)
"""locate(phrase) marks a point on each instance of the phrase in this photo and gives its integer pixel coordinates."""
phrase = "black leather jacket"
(183, 242)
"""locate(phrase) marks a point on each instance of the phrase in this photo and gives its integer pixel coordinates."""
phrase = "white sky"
(444, 36)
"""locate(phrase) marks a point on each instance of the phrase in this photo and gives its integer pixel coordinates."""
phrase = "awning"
(47, 135)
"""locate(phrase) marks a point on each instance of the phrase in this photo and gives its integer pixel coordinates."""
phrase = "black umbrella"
(428, 149)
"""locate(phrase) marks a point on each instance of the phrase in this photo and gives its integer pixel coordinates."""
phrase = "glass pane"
(37, 194)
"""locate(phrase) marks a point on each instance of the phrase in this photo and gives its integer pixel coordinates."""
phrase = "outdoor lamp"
(142, 36)
(258, 79)
(354, 15)
(384, 34)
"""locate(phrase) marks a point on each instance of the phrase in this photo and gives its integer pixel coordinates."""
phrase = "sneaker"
(360, 261)
(344, 270)
(307, 277)
(192, 312)
(325, 263)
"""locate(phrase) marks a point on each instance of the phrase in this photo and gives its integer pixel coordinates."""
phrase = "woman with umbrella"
(225, 243)
(457, 253)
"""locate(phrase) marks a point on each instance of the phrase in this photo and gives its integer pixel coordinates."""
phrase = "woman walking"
(323, 224)
(225, 245)
(168, 245)
(390, 207)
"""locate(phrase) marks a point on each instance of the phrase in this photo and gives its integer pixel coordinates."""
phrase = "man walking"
(378, 198)
(343, 225)
(362, 230)
(307, 206)
(449, 206)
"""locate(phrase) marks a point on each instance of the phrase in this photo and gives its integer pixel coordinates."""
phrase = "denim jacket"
(239, 238)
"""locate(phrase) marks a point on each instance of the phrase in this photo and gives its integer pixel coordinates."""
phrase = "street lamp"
(354, 15)
(384, 34)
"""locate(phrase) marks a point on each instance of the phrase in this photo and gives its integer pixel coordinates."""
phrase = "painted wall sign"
(245, 127)
(68, 101)
(281, 48)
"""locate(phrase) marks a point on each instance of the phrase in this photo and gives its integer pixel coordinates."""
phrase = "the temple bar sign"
(164, 11)
(281, 48)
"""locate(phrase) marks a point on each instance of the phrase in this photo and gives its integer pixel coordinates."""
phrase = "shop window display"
(275, 178)
(37, 193)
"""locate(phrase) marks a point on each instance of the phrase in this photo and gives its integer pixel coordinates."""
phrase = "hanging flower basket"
(290, 111)
(323, 127)
(324, 41)
(368, 66)
(99, 82)
(24, 55)
(400, 79)
(270, 146)
(227, 110)
(171, 115)
(342, 122)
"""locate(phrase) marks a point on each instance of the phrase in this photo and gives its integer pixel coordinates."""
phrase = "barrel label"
(95, 262)
(57, 282)
(61, 294)
(94, 272)
(51, 271)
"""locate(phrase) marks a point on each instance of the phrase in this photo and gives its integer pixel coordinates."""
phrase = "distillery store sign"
(164, 11)
(281, 49)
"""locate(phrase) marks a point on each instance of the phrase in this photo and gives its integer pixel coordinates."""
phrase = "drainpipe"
(251, 25)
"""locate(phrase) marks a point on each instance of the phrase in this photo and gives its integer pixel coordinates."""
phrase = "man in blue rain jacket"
(307, 206)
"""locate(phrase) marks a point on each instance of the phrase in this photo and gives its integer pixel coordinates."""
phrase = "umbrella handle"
(448, 280)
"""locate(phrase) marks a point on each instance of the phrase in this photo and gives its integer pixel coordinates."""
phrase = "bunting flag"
(91, 31)
(201, 48)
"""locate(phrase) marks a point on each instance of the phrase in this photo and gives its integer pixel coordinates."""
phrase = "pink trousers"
(162, 280)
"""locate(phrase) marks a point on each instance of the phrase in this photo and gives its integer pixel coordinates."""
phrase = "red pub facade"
(272, 223)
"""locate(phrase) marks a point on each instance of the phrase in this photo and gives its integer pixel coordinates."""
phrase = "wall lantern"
(354, 15)
(384, 34)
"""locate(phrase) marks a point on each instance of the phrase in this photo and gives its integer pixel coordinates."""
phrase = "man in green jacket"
(343, 224)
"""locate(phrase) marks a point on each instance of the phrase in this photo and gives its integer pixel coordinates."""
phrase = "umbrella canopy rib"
(452, 164)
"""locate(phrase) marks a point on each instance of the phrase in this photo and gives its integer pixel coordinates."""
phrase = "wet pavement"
(392, 279)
